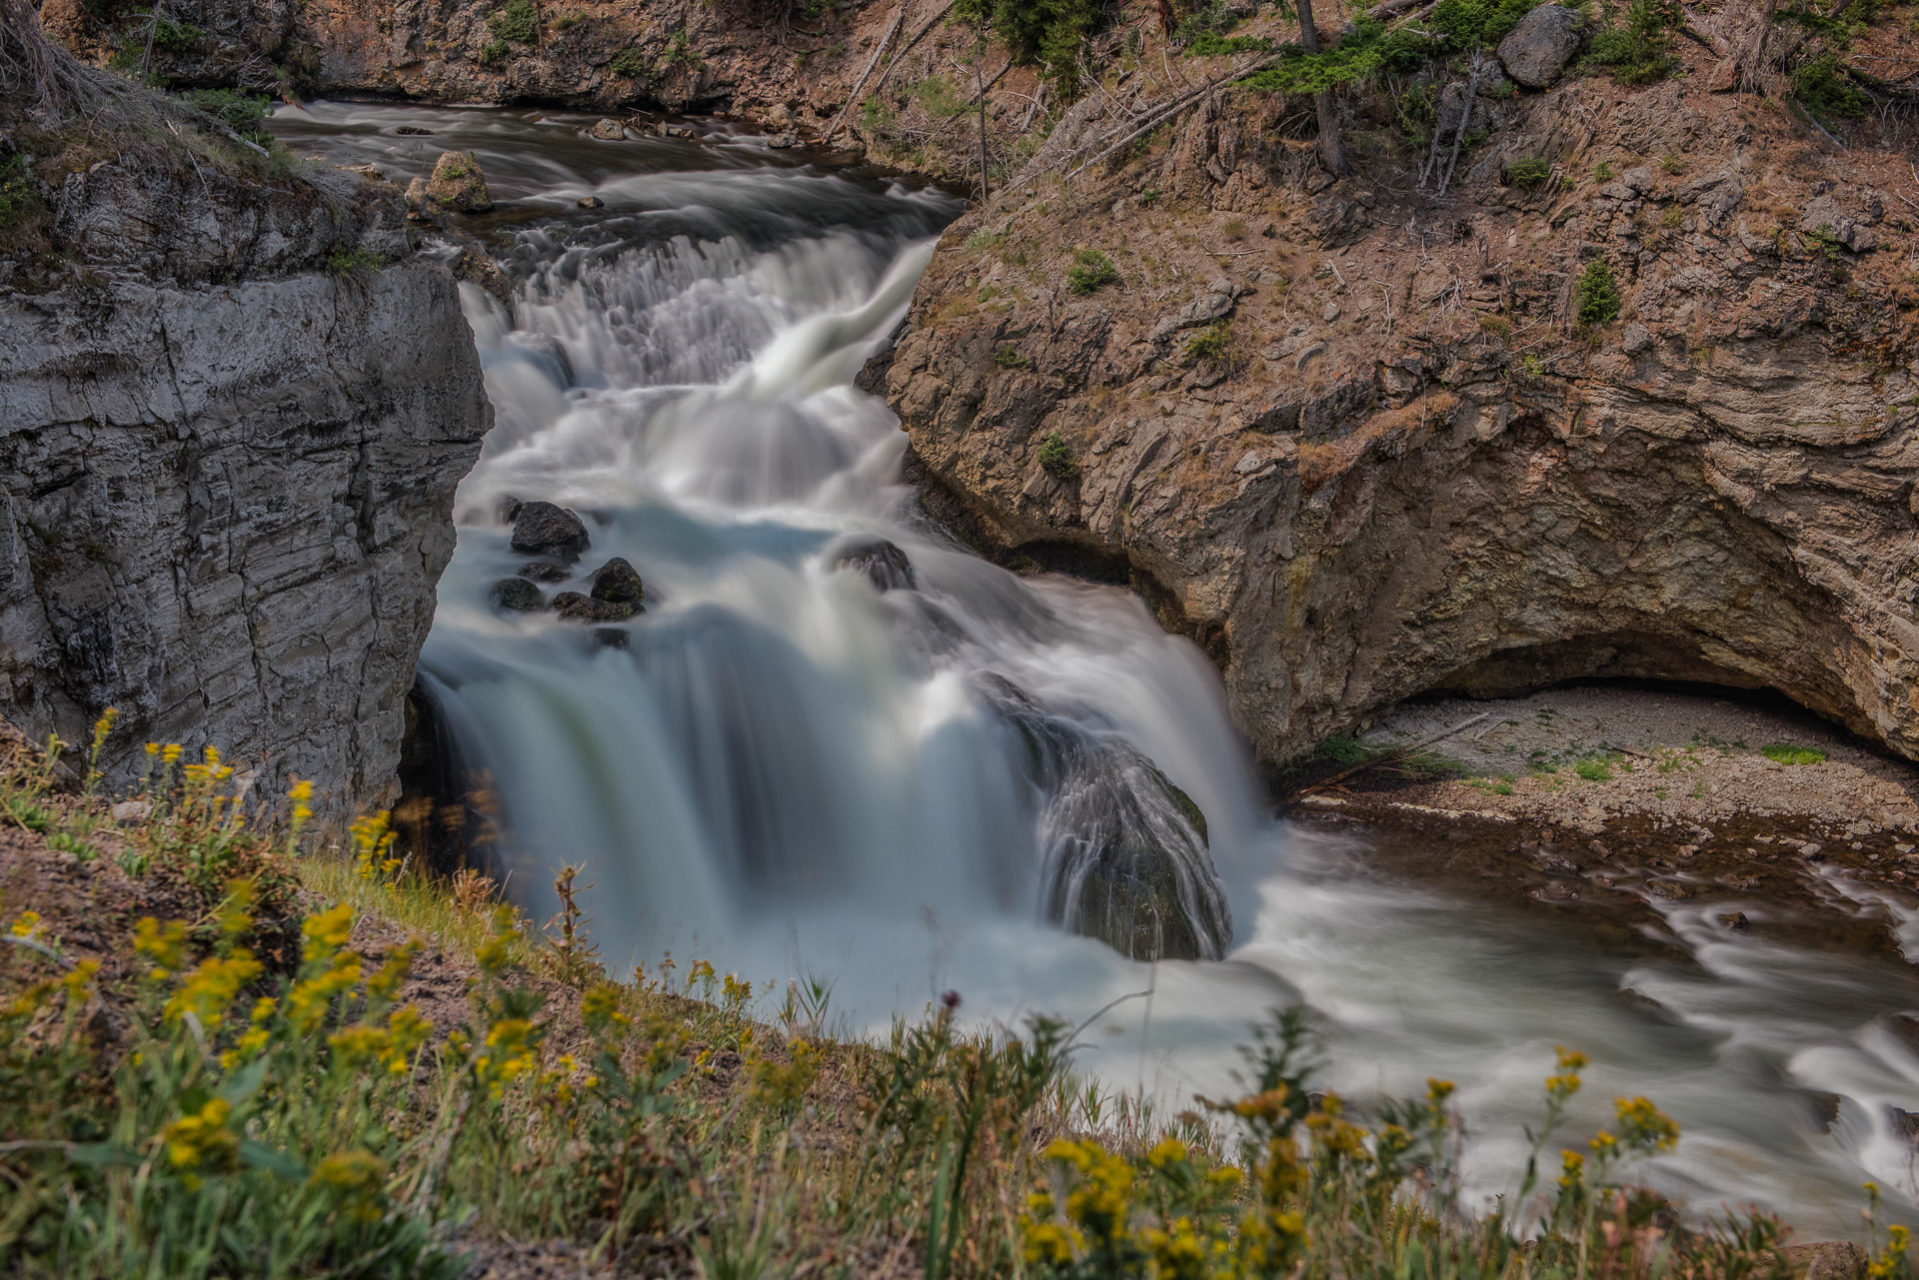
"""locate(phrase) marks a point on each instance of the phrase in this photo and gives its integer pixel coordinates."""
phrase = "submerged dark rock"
(1126, 858)
(883, 563)
(517, 595)
(545, 571)
(618, 582)
(543, 529)
(577, 606)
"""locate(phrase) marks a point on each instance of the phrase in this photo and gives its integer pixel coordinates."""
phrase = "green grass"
(1789, 753)
(1594, 769)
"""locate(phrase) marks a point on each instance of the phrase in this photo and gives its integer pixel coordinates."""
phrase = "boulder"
(542, 529)
(577, 606)
(617, 582)
(458, 184)
(545, 571)
(1829, 1260)
(590, 202)
(607, 130)
(517, 595)
(1536, 51)
(884, 564)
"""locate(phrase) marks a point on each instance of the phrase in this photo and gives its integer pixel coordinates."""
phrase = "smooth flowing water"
(784, 769)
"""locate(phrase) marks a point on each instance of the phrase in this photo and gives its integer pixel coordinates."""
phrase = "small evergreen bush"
(1597, 295)
(1094, 272)
(515, 20)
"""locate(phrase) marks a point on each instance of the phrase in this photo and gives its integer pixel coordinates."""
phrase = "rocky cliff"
(1357, 439)
(233, 411)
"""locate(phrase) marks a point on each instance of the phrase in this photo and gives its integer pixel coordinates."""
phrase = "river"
(782, 769)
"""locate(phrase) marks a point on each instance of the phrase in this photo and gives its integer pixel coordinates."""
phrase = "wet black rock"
(577, 606)
(1125, 848)
(884, 564)
(542, 529)
(618, 582)
(517, 595)
(590, 202)
(413, 131)
(545, 571)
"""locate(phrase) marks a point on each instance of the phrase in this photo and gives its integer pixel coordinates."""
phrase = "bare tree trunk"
(1332, 149)
(979, 84)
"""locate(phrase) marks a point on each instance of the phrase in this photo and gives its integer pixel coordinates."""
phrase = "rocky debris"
(543, 529)
(1536, 51)
(517, 595)
(457, 184)
(783, 141)
(607, 130)
(676, 131)
(883, 563)
(1214, 304)
(617, 582)
(545, 571)
(577, 606)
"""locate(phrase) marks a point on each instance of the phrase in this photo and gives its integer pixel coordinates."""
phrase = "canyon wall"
(1356, 440)
(231, 423)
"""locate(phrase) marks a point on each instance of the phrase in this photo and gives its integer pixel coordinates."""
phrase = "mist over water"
(785, 770)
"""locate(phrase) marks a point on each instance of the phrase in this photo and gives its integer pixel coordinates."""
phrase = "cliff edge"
(233, 411)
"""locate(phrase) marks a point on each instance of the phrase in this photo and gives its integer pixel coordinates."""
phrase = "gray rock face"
(1537, 50)
(224, 509)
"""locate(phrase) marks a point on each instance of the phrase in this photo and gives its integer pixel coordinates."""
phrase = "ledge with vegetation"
(229, 1048)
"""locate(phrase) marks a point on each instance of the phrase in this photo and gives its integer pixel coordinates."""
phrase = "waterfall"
(836, 743)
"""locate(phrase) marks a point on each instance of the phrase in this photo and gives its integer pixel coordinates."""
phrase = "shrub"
(1640, 51)
(342, 261)
(1476, 24)
(494, 50)
(19, 194)
(1823, 89)
(516, 20)
(1044, 33)
(631, 63)
(1056, 458)
(1597, 295)
(1008, 357)
(1789, 753)
(1093, 272)
(244, 113)
(1214, 342)
(1528, 172)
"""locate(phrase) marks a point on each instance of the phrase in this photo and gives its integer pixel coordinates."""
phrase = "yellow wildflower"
(170, 754)
(327, 932)
(355, 1180)
(27, 926)
(1642, 1125)
(203, 1142)
(406, 1030)
(211, 987)
(163, 945)
(600, 1009)
(1572, 1169)
(1168, 1151)
(495, 950)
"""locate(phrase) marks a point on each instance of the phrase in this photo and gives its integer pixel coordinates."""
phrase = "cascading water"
(835, 743)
